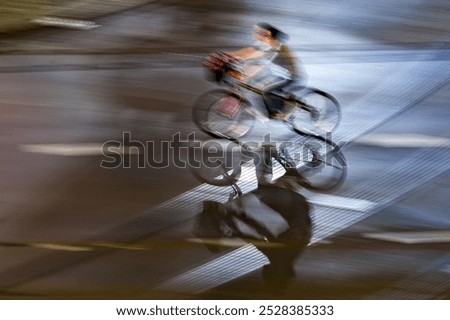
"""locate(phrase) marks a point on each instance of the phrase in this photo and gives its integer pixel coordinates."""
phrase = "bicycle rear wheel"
(319, 162)
(316, 110)
(222, 114)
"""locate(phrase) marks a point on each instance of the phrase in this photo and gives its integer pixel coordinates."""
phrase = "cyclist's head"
(266, 32)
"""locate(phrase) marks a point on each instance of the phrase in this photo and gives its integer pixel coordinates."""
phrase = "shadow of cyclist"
(274, 217)
(295, 210)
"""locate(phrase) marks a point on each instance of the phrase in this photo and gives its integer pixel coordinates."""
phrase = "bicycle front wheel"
(222, 114)
(316, 110)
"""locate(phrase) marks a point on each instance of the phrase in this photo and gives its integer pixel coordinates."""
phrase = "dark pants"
(274, 104)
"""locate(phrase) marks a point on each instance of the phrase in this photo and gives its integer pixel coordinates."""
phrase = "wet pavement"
(71, 229)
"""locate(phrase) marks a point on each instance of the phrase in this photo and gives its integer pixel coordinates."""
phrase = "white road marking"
(76, 149)
(328, 200)
(66, 23)
(411, 237)
(218, 271)
(404, 141)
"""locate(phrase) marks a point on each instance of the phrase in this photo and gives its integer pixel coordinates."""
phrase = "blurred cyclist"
(275, 66)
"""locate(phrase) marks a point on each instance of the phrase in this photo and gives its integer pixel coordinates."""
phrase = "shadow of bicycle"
(274, 218)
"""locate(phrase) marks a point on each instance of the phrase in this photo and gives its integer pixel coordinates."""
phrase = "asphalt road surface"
(71, 228)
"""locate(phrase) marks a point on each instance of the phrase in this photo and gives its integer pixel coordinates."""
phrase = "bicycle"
(226, 113)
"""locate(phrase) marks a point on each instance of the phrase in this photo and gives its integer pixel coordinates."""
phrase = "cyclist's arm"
(246, 54)
(253, 70)
(251, 58)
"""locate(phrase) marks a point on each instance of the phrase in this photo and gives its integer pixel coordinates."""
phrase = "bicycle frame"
(231, 77)
(239, 85)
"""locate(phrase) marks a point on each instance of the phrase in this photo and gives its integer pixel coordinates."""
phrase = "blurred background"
(77, 74)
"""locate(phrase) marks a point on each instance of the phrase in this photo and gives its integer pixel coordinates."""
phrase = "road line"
(411, 237)
(76, 149)
(404, 141)
(66, 23)
(346, 203)
(59, 247)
